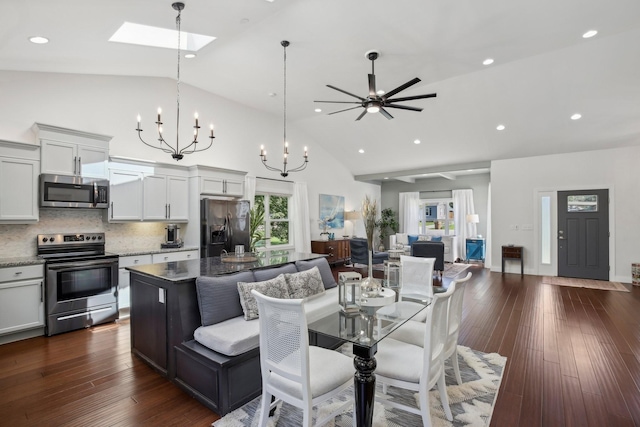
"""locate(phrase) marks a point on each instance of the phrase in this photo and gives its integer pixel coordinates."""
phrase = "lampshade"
(351, 215)
(473, 218)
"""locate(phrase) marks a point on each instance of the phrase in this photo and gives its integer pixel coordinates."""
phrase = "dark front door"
(583, 234)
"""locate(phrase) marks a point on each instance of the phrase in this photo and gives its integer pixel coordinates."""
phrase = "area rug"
(471, 403)
(584, 283)
(451, 270)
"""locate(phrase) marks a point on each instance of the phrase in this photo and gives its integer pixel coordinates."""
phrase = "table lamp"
(473, 219)
(351, 216)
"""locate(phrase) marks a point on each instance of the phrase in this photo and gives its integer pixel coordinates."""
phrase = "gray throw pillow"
(275, 288)
(270, 273)
(218, 298)
(325, 270)
(305, 283)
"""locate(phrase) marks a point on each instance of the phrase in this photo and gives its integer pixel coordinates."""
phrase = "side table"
(475, 249)
(515, 253)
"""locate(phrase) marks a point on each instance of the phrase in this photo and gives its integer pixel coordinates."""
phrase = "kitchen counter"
(186, 270)
(19, 261)
(141, 251)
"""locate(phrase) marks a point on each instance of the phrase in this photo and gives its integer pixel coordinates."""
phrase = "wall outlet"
(527, 227)
(514, 227)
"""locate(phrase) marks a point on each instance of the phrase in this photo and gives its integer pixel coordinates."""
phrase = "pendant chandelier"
(284, 172)
(176, 152)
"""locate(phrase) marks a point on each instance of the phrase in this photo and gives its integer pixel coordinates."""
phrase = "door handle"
(169, 216)
(111, 210)
(75, 165)
(79, 165)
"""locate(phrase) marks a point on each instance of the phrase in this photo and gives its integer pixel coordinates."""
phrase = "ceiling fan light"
(373, 109)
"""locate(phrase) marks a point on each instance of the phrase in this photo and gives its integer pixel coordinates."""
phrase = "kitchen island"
(165, 314)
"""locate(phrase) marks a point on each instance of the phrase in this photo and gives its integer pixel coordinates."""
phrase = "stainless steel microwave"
(62, 191)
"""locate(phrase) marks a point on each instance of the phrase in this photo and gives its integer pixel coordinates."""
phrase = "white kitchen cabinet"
(124, 294)
(222, 186)
(166, 198)
(126, 191)
(18, 190)
(71, 152)
(21, 298)
(174, 256)
(217, 181)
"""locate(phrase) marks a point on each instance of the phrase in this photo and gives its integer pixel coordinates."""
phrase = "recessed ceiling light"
(318, 110)
(576, 116)
(469, 170)
(272, 94)
(190, 55)
(270, 1)
(500, 127)
(386, 177)
(244, 21)
(424, 174)
(146, 35)
(38, 40)
(589, 34)
(416, 141)
(487, 61)
(361, 151)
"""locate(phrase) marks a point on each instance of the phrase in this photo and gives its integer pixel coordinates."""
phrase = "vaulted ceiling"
(543, 72)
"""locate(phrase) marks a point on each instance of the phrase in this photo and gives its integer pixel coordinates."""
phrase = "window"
(436, 215)
(276, 227)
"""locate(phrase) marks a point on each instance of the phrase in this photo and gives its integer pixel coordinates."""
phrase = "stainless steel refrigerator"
(223, 225)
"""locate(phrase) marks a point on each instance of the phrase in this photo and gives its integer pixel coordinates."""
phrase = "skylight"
(146, 35)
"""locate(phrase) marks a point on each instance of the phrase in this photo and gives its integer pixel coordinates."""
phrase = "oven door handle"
(78, 264)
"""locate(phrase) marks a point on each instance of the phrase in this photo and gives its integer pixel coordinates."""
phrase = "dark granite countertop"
(20, 261)
(190, 269)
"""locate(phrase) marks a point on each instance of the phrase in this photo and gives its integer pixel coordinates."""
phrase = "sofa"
(220, 366)
(450, 242)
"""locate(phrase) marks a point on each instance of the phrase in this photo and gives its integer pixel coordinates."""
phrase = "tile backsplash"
(19, 240)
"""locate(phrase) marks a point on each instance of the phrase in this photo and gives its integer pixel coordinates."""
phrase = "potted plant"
(387, 222)
(256, 219)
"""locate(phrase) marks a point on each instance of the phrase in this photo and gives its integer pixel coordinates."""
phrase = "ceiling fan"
(377, 102)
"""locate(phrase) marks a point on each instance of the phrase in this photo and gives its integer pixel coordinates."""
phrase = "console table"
(338, 250)
(515, 253)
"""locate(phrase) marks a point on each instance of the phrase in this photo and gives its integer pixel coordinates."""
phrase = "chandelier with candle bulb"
(176, 152)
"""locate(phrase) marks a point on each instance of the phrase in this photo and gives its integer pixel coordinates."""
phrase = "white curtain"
(408, 212)
(250, 189)
(300, 218)
(463, 206)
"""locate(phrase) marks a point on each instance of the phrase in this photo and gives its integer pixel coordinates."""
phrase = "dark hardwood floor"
(573, 360)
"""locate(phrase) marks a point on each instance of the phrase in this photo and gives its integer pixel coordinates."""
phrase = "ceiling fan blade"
(345, 92)
(342, 102)
(346, 109)
(400, 88)
(362, 115)
(404, 107)
(411, 98)
(385, 113)
(372, 85)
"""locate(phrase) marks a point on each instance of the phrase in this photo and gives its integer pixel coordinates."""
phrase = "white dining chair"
(416, 288)
(408, 366)
(292, 371)
(454, 318)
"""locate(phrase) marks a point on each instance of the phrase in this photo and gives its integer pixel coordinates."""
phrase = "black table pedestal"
(364, 381)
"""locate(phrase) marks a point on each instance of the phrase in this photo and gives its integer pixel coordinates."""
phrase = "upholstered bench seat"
(236, 335)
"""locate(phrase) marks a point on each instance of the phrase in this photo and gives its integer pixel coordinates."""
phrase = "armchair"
(360, 252)
(430, 250)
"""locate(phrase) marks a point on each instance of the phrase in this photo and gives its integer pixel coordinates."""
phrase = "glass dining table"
(365, 329)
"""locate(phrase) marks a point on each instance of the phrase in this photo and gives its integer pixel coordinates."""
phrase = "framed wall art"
(331, 212)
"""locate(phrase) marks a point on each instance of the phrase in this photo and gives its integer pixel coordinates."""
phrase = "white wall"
(109, 104)
(515, 184)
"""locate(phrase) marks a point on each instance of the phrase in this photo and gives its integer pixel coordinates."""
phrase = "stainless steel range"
(81, 281)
